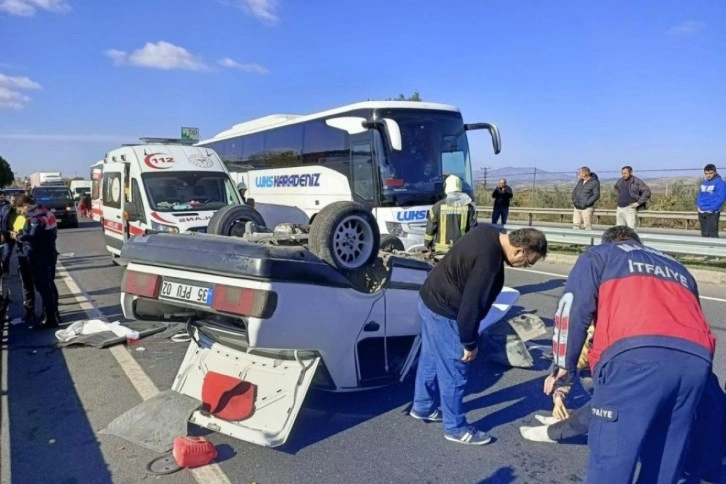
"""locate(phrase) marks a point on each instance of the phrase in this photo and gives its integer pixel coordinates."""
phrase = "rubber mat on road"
(104, 339)
(155, 423)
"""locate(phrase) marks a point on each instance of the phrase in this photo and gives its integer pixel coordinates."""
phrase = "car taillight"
(141, 284)
(244, 301)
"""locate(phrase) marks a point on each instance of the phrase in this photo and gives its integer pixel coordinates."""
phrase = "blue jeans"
(441, 373)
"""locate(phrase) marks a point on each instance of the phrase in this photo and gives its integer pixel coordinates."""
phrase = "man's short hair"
(531, 240)
(585, 170)
(23, 200)
(619, 233)
(709, 167)
(627, 167)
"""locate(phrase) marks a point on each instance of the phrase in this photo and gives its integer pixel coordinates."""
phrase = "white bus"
(392, 156)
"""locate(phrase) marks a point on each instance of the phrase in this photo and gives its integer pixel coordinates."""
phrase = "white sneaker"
(544, 420)
(536, 434)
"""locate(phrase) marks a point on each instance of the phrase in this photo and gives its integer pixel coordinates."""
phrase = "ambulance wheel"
(345, 235)
(389, 243)
(231, 220)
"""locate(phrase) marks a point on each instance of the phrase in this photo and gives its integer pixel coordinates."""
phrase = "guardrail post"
(530, 218)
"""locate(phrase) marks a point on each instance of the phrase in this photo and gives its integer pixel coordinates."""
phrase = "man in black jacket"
(502, 195)
(455, 297)
(584, 196)
(633, 195)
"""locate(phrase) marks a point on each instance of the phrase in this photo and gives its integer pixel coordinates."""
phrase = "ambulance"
(159, 187)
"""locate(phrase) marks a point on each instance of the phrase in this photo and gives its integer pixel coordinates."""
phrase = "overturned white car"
(283, 310)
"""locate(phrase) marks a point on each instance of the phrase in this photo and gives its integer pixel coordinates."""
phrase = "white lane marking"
(564, 276)
(5, 409)
(210, 474)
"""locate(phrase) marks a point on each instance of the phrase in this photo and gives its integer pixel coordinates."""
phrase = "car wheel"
(231, 220)
(389, 243)
(345, 235)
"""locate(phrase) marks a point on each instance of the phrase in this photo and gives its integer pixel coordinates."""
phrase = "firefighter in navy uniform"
(449, 219)
(651, 356)
(37, 244)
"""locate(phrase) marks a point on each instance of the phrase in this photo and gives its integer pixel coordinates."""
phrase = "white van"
(170, 188)
(79, 187)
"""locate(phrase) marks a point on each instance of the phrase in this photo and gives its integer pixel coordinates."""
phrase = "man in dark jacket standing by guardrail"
(502, 196)
(632, 194)
(711, 197)
(584, 196)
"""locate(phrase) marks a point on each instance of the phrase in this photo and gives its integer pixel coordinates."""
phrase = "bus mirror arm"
(493, 130)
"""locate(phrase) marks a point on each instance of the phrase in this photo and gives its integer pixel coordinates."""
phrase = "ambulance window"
(136, 198)
(112, 189)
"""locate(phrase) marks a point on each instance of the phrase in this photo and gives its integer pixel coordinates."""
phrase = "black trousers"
(25, 271)
(709, 223)
(500, 212)
(43, 272)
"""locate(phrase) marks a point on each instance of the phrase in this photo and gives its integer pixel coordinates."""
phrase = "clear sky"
(601, 83)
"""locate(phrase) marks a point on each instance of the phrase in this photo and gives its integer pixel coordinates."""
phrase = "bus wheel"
(231, 220)
(345, 235)
(389, 243)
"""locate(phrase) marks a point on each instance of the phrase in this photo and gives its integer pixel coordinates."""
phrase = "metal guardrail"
(672, 244)
(563, 212)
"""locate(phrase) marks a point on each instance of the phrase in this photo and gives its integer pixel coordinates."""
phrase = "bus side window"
(363, 180)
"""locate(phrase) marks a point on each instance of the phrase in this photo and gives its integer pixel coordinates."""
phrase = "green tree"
(413, 97)
(6, 173)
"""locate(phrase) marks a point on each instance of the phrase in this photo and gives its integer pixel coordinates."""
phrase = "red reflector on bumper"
(236, 300)
(140, 284)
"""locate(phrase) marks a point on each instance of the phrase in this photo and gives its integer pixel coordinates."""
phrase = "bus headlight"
(157, 227)
(395, 228)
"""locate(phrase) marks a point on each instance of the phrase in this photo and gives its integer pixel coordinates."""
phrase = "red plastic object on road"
(193, 451)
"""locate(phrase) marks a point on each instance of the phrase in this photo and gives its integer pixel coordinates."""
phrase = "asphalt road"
(56, 400)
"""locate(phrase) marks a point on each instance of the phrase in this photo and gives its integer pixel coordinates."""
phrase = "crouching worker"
(651, 356)
(449, 219)
(564, 424)
(37, 244)
(456, 296)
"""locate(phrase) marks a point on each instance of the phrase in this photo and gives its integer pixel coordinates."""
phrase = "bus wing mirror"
(493, 130)
(392, 131)
(350, 124)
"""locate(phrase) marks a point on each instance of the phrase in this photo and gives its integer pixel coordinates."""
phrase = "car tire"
(345, 235)
(231, 220)
(389, 243)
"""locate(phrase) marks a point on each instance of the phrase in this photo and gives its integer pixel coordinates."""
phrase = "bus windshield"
(434, 146)
(189, 190)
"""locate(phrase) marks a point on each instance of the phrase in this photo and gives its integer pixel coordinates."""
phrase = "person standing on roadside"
(7, 243)
(456, 296)
(632, 195)
(502, 196)
(584, 196)
(710, 200)
(24, 270)
(651, 356)
(37, 244)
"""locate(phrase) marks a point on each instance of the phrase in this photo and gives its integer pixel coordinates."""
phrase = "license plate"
(186, 292)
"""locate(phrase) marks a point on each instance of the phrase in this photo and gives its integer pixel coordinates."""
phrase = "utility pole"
(486, 173)
(534, 179)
